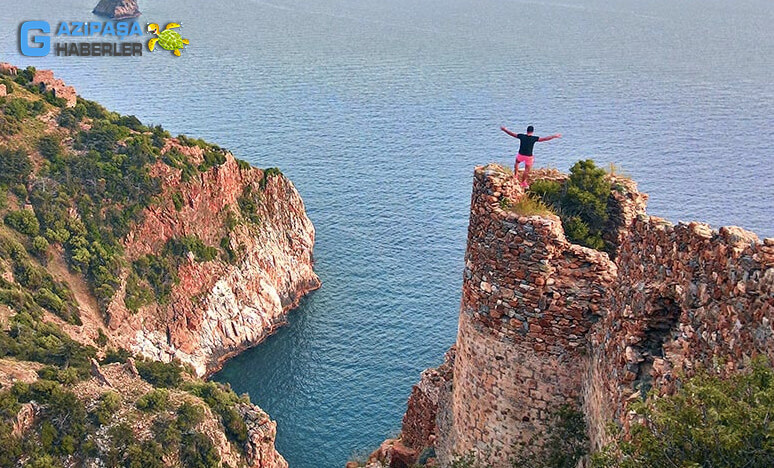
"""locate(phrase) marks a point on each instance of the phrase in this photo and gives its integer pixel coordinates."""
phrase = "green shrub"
(19, 109)
(243, 165)
(160, 374)
(196, 450)
(175, 158)
(160, 274)
(39, 246)
(121, 439)
(159, 136)
(191, 142)
(20, 190)
(93, 109)
(228, 256)
(147, 454)
(191, 244)
(25, 76)
(23, 221)
(69, 118)
(212, 159)
(189, 416)
(9, 126)
(52, 99)
(581, 203)
(586, 196)
(154, 401)
(67, 376)
(248, 204)
(268, 173)
(60, 406)
(709, 422)
(131, 122)
(177, 200)
(50, 147)
(231, 220)
(102, 339)
(223, 400)
(15, 166)
(166, 431)
(103, 136)
(136, 294)
(49, 300)
(31, 340)
(108, 404)
(116, 355)
(548, 190)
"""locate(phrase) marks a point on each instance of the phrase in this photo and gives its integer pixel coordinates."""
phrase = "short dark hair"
(530, 129)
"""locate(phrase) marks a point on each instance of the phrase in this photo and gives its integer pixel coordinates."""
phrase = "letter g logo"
(44, 41)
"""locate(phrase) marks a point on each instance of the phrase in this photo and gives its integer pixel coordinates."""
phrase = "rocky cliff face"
(546, 323)
(119, 240)
(117, 9)
(218, 308)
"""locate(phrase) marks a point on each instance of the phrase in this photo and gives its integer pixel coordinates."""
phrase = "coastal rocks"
(429, 399)
(261, 434)
(419, 423)
(117, 9)
(219, 308)
(257, 452)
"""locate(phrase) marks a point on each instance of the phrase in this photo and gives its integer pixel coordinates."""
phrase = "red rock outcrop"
(258, 265)
(8, 69)
(219, 309)
(117, 9)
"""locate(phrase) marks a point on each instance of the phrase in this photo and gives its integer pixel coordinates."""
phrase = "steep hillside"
(118, 239)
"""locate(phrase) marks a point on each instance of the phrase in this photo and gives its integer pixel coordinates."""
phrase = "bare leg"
(516, 171)
(527, 168)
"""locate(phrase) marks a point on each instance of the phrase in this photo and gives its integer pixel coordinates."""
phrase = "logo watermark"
(36, 39)
(167, 39)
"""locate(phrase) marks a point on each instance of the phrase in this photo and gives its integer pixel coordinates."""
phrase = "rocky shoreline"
(117, 9)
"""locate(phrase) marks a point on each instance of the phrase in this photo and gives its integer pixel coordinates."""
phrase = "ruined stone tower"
(529, 298)
(544, 322)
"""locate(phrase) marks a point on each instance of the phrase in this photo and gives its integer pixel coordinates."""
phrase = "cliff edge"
(545, 323)
(121, 242)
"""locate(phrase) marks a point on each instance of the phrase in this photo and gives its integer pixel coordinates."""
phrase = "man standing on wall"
(525, 151)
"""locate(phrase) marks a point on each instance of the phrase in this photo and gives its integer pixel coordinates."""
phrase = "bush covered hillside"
(73, 181)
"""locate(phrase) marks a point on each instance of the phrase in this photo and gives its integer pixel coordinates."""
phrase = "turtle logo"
(167, 39)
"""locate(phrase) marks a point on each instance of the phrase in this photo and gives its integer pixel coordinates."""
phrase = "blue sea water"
(379, 110)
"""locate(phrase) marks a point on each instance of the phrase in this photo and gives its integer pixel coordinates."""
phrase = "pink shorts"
(527, 160)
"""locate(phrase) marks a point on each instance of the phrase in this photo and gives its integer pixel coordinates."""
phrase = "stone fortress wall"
(544, 322)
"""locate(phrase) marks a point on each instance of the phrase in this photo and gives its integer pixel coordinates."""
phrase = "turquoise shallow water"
(378, 111)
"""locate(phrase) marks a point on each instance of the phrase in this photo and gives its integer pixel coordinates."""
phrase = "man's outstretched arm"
(549, 138)
(508, 132)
